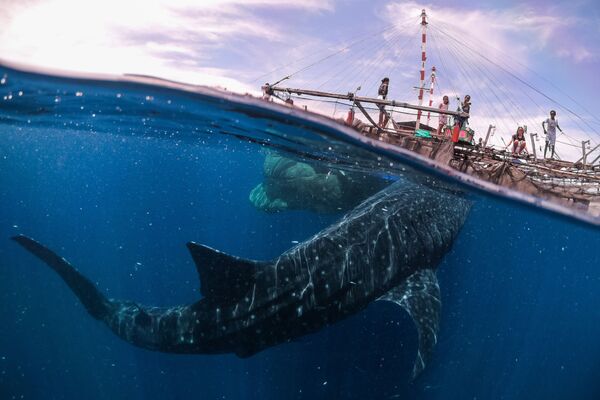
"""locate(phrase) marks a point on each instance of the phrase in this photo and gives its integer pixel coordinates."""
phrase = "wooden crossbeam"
(365, 113)
(352, 97)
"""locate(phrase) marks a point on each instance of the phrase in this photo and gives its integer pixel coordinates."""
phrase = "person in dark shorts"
(465, 107)
(382, 95)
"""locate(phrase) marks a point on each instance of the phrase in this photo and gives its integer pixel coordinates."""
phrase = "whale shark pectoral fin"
(223, 277)
(419, 295)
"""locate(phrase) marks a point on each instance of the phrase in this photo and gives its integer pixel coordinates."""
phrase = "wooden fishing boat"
(572, 184)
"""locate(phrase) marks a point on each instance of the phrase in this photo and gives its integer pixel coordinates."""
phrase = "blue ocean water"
(117, 177)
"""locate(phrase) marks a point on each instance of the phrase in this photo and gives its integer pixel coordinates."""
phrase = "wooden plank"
(565, 173)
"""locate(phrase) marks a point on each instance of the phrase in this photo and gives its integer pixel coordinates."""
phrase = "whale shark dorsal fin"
(419, 295)
(223, 277)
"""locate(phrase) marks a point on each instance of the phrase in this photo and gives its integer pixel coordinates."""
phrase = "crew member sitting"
(518, 141)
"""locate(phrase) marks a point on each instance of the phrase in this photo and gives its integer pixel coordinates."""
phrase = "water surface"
(118, 176)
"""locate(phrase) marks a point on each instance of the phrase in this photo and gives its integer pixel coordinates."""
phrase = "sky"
(517, 59)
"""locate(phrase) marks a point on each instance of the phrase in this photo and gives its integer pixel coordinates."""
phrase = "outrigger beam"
(353, 98)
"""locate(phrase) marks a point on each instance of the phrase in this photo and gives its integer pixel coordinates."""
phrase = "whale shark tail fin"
(223, 278)
(94, 301)
(419, 295)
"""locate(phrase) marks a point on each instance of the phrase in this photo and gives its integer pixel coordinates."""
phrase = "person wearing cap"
(382, 95)
(550, 126)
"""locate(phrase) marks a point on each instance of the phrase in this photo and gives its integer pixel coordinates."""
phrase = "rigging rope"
(343, 73)
(494, 83)
(393, 70)
(338, 69)
(345, 48)
(357, 63)
(348, 47)
(467, 79)
(515, 76)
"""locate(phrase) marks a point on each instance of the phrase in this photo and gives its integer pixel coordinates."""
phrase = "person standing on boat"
(550, 126)
(519, 141)
(466, 108)
(461, 122)
(443, 117)
(382, 95)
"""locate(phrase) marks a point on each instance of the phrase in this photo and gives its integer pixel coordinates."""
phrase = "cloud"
(174, 39)
(576, 53)
(492, 54)
(518, 31)
(235, 43)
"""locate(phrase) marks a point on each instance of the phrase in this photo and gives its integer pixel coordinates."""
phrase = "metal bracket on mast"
(533, 135)
(588, 153)
(583, 150)
(487, 136)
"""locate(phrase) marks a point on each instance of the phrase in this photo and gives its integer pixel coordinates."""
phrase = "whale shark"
(387, 248)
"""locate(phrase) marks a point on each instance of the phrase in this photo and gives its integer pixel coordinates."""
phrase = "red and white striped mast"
(431, 94)
(423, 59)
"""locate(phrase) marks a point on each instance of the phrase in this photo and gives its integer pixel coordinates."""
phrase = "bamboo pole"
(352, 97)
(566, 173)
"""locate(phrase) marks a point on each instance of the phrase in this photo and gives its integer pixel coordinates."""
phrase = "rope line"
(515, 76)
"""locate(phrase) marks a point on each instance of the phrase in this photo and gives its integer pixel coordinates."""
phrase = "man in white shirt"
(550, 126)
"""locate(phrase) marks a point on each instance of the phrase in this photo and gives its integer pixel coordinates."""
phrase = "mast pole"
(423, 59)
(433, 77)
